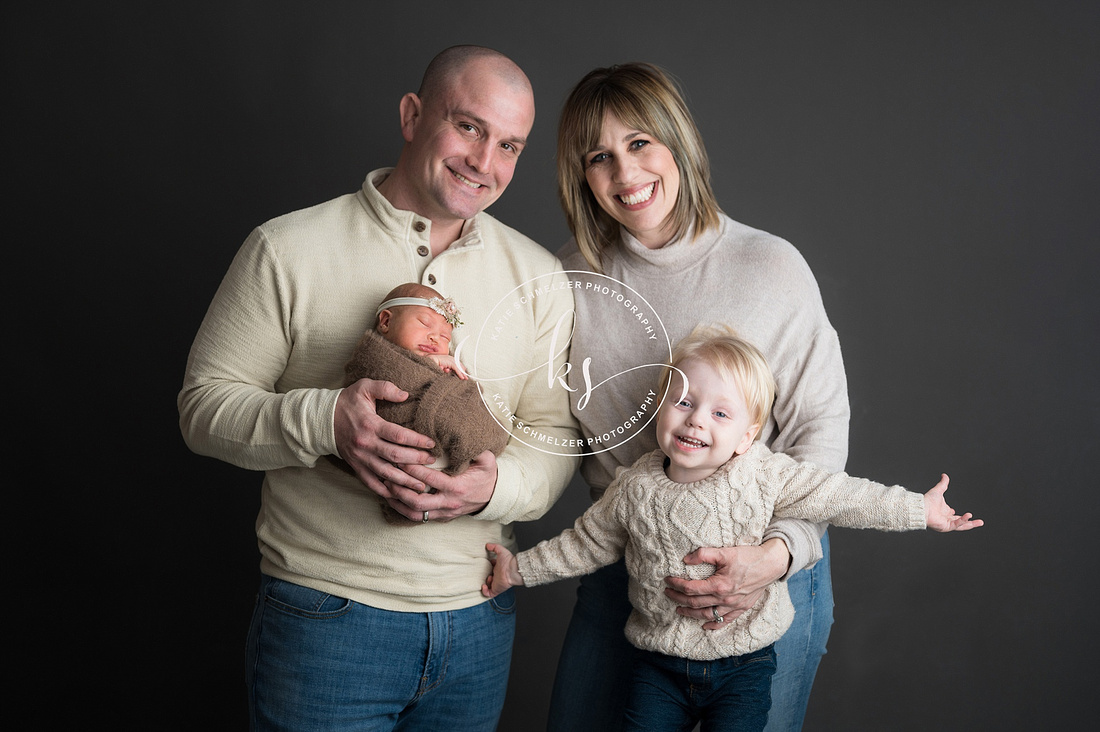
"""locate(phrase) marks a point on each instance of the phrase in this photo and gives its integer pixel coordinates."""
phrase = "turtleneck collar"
(679, 254)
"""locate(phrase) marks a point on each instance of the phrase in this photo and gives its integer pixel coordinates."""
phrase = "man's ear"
(384, 321)
(410, 115)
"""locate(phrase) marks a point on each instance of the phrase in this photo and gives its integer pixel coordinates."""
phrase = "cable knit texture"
(655, 522)
(760, 285)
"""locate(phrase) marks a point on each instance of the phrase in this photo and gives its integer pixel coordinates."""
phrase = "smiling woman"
(626, 110)
(634, 181)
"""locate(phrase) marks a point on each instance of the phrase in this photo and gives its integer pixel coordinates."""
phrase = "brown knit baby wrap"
(441, 406)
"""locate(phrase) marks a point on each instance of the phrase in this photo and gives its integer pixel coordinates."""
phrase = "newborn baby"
(410, 347)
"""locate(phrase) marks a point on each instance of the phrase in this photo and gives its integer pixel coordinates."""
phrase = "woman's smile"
(634, 178)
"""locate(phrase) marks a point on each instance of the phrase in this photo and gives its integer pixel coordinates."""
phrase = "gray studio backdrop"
(936, 164)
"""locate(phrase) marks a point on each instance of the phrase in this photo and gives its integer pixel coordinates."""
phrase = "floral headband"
(445, 307)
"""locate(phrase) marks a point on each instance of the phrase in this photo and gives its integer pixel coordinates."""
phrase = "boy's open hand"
(505, 571)
(941, 517)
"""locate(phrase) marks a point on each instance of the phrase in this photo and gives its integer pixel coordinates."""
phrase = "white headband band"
(445, 307)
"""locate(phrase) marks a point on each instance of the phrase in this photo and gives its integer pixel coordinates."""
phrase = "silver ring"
(717, 618)
(425, 518)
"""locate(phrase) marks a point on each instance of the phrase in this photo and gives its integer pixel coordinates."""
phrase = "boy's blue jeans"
(594, 668)
(320, 662)
(727, 695)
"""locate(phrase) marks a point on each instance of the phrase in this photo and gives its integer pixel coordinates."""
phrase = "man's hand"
(740, 577)
(446, 496)
(372, 446)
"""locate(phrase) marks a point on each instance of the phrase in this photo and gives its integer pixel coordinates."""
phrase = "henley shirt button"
(431, 279)
(422, 250)
(419, 226)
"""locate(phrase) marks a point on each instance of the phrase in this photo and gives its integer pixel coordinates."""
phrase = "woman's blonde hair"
(737, 360)
(642, 97)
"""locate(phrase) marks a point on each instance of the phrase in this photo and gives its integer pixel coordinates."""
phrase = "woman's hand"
(740, 577)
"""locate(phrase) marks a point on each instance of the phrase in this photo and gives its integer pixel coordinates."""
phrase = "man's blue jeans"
(727, 695)
(320, 662)
(594, 668)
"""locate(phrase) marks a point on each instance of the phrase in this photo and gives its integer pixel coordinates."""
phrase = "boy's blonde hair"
(718, 346)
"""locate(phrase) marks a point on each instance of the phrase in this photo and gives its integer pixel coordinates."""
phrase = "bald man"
(359, 624)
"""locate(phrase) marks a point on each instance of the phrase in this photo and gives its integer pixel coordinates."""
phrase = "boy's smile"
(708, 426)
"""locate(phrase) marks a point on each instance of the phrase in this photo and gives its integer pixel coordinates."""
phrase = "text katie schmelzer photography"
(630, 311)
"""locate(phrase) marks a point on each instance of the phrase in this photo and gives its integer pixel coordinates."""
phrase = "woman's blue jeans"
(727, 694)
(320, 662)
(593, 673)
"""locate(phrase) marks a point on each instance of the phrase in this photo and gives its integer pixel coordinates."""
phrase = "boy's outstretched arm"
(941, 517)
(505, 571)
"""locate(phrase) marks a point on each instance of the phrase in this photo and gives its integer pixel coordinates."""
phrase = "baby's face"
(416, 328)
(708, 426)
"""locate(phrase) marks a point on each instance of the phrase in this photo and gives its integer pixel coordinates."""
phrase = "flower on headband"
(448, 309)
